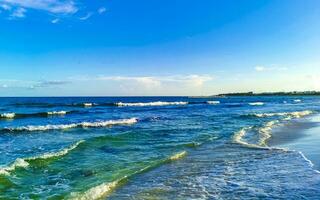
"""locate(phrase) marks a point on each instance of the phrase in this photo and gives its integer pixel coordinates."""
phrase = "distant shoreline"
(252, 94)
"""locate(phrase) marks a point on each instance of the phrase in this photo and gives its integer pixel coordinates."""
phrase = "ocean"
(156, 148)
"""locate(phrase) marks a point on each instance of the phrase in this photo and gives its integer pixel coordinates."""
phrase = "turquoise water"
(152, 148)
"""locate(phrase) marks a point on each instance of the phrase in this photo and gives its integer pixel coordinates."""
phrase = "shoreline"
(301, 135)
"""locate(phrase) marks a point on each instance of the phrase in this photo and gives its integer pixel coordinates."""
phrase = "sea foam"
(256, 104)
(24, 162)
(73, 125)
(265, 131)
(62, 112)
(103, 190)
(297, 114)
(7, 115)
(157, 103)
(213, 102)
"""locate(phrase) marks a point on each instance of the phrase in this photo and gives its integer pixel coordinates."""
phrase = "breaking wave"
(265, 131)
(103, 190)
(256, 104)
(288, 115)
(156, 103)
(73, 125)
(39, 114)
(24, 162)
(213, 102)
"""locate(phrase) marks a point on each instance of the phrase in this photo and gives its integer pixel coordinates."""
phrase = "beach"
(159, 148)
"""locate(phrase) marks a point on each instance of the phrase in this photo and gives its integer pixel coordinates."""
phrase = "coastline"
(301, 135)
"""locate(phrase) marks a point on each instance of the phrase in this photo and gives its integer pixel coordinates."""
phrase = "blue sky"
(158, 47)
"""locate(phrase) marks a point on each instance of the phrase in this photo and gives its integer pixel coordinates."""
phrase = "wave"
(297, 100)
(39, 114)
(256, 104)
(213, 102)
(156, 103)
(73, 125)
(308, 161)
(24, 162)
(103, 190)
(265, 131)
(296, 114)
(8, 115)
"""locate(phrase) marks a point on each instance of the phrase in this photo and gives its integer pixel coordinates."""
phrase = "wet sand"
(301, 135)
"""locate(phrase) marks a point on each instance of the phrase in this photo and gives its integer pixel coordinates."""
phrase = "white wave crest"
(297, 114)
(87, 104)
(213, 102)
(157, 103)
(19, 162)
(104, 189)
(8, 115)
(74, 125)
(265, 132)
(23, 162)
(297, 100)
(97, 192)
(178, 156)
(256, 104)
(60, 153)
(57, 112)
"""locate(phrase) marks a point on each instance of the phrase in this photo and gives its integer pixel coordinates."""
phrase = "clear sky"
(158, 47)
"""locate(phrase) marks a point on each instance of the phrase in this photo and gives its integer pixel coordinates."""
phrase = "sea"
(155, 148)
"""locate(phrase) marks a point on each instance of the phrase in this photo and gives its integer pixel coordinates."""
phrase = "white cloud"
(87, 16)
(54, 21)
(102, 10)
(19, 13)
(261, 68)
(5, 7)
(52, 6)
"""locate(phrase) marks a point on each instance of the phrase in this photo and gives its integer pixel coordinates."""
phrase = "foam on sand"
(265, 132)
(73, 125)
(24, 162)
(213, 102)
(157, 103)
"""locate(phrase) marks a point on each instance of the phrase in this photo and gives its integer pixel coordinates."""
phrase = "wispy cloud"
(18, 13)
(27, 84)
(197, 80)
(261, 68)
(102, 10)
(87, 16)
(54, 21)
(53, 6)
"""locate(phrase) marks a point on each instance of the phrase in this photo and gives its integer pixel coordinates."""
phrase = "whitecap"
(157, 103)
(57, 112)
(8, 115)
(256, 104)
(213, 102)
(290, 115)
(24, 162)
(73, 125)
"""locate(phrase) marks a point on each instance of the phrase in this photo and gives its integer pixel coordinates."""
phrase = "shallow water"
(152, 148)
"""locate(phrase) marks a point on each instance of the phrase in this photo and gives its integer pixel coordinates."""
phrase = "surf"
(97, 124)
(25, 162)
